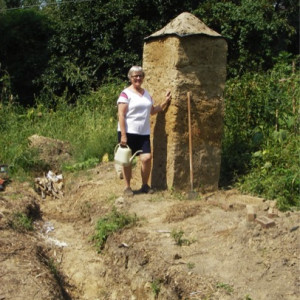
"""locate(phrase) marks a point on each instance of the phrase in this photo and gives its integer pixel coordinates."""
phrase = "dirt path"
(222, 256)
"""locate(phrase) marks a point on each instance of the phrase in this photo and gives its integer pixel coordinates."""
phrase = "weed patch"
(178, 238)
(190, 265)
(21, 222)
(109, 224)
(89, 163)
(225, 286)
(155, 287)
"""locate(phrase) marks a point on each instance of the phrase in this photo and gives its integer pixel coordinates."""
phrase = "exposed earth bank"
(205, 248)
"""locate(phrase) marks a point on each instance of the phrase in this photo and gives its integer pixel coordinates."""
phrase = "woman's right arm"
(122, 110)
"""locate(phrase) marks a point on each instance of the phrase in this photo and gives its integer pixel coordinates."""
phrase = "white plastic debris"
(56, 242)
(53, 177)
(52, 241)
(48, 227)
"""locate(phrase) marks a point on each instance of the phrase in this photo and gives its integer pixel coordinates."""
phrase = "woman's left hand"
(168, 97)
(163, 105)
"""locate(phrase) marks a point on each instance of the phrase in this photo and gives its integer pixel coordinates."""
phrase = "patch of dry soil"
(222, 256)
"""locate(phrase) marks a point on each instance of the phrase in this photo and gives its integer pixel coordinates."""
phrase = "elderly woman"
(135, 106)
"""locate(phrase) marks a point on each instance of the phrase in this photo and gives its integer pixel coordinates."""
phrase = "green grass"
(21, 222)
(190, 265)
(225, 286)
(155, 287)
(88, 125)
(89, 163)
(177, 235)
(109, 224)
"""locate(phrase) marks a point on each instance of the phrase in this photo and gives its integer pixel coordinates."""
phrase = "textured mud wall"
(197, 64)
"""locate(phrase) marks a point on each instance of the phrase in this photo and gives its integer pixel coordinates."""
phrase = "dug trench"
(205, 248)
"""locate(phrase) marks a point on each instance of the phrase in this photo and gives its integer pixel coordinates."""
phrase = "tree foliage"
(261, 140)
(98, 40)
(24, 36)
(90, 42)
(256, 30)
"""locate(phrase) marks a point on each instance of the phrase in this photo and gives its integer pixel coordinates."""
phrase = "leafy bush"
(261, 133)
(275, 171)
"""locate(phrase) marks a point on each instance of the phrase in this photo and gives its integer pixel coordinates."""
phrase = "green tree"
(24, 36)
(13, 3)
(256, 30)
(98, 40)
(94, 41)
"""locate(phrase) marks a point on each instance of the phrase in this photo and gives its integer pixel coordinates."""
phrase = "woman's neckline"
(140, 93)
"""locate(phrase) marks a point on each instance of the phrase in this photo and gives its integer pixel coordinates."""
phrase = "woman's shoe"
(128, 192)
(146, 189)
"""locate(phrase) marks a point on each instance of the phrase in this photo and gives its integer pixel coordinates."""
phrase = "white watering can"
(123, 155)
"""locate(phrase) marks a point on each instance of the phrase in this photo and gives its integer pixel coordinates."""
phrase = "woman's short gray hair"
(135, 69)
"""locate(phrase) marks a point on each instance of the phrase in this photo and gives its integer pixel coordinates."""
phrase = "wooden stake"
(190, 140)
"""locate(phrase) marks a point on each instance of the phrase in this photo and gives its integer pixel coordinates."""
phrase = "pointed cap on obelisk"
(184, 25)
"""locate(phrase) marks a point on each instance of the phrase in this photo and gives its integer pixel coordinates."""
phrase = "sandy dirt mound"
(52, 152)
(178, 249)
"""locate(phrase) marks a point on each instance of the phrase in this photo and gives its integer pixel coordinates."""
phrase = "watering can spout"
(133, 156)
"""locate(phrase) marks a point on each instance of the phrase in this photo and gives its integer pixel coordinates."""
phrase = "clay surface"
(220, 255)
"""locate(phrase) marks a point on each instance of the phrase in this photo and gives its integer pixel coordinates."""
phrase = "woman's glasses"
(137, 76)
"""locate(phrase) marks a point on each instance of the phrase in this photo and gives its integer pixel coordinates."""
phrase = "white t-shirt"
(137, 118)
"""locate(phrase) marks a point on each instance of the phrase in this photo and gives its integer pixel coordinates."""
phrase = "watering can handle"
(119, 145)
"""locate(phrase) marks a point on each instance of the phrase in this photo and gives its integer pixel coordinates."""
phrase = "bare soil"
(222, 256)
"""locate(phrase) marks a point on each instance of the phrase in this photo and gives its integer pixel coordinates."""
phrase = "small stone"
(119, 201)
(251, 215)
(294, 228)
(147, 286)
(272, 212)
(265, 222)
(227, 206)
(123, 245)
(177, 256)
(256, 233)
(266, 207)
